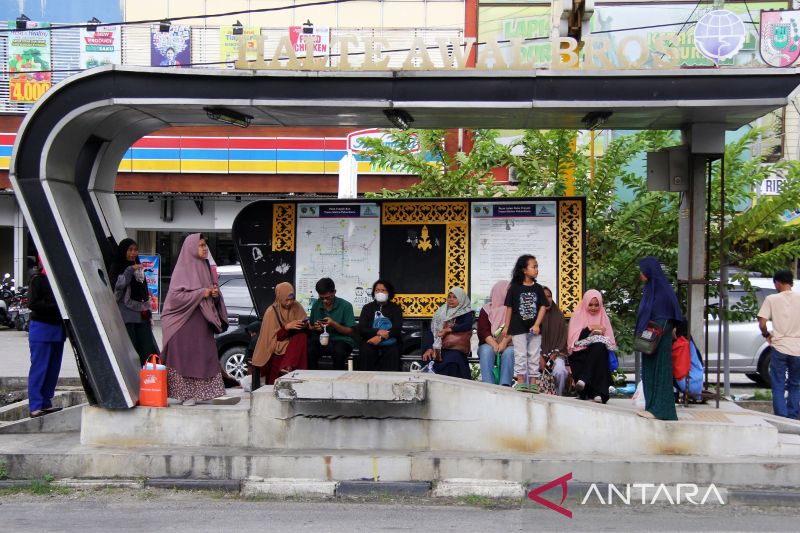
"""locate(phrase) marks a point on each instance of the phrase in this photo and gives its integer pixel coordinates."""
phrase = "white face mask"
(381, 297)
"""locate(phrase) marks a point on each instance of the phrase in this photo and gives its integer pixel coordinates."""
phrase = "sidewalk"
(15, 356)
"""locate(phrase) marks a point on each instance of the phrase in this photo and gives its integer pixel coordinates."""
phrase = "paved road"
(196, 512)
(15, 357)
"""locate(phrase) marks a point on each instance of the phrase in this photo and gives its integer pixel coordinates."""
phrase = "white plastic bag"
(638, 396)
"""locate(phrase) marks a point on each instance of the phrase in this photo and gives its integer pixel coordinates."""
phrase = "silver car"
(749, 351)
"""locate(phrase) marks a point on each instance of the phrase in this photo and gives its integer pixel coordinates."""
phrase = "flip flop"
(37, 414)
(52, 410)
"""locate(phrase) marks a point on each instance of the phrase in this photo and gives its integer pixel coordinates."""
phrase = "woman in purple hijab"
(193, 312)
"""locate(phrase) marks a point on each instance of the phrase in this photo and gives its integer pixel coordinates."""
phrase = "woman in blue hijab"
(660, 305)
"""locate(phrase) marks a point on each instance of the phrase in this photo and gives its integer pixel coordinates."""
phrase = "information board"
(341, 242)
(501, 232)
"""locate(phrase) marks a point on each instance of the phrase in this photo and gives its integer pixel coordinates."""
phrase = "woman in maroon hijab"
(193, 312)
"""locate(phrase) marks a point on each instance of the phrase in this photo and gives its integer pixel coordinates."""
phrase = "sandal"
(52, 410)
(37, 414)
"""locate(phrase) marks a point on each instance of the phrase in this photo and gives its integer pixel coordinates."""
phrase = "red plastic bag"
(153, 383)
(681, 358)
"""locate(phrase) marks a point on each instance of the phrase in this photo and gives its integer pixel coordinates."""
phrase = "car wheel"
(234, 362)
(755, 377)
(763, 368)
(407, 364)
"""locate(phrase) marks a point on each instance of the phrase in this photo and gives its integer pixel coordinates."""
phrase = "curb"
(288, 487)
(387, 488)
(788, 498)
(488, 488)
(225, 485)
(448, 488)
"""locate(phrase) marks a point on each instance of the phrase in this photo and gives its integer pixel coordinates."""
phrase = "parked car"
(232, 344)
(749, 352)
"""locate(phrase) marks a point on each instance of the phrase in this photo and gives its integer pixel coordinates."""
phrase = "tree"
(621, 228)
(440, 173)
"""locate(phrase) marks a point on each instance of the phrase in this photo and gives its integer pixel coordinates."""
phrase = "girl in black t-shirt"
(525, 309)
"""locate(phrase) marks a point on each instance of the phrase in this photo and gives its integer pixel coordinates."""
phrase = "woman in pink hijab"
(193, 312)
(589, 339)
(491, 341)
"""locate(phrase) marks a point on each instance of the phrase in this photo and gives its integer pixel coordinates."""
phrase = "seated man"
(336, 315)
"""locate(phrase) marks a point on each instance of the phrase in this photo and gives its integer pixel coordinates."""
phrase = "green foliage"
(620, 231)
(441, 175)
(762, 395)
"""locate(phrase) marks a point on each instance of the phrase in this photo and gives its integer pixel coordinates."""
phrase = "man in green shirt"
(336, 315)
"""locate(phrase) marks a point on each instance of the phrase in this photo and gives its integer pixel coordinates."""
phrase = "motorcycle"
(18, 310)
(6, 296)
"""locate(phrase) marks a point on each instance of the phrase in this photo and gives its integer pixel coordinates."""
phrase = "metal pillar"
(692, 247)
(706, 143)
(20, 261)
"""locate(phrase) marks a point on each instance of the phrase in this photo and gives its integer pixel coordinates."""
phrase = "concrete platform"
(437, 428)
(401, 412)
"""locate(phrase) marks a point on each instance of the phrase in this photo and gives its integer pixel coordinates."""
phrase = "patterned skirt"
(183, 388)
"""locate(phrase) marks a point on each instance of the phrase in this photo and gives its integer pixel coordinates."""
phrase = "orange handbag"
(153, 383)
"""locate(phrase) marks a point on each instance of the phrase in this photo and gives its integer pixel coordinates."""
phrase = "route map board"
(341, 242)
(501, 232)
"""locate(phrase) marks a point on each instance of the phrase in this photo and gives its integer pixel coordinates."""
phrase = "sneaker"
(612, 391)
(190, 402)
(226, 400)
(580, 385)
(597, 399)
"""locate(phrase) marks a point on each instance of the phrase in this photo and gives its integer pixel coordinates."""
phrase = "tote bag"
(153, 383)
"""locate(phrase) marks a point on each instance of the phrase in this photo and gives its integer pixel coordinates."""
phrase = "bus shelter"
(69, 147)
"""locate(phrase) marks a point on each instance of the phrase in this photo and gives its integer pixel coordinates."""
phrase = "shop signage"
(369, 53)
(29, 66)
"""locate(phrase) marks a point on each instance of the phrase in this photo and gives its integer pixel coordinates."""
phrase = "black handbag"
(647, 341)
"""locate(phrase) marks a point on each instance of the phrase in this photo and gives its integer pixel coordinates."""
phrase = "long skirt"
(295, 358)
(453, 363)
(590, 365)
(183, 388)
(659, 396)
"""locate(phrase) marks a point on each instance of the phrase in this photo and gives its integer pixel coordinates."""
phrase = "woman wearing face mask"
(380, 328)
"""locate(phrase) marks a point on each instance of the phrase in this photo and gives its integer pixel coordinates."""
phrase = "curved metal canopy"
(69, 147)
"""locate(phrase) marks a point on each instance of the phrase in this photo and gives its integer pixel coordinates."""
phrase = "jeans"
(527, 351)
(487, 357)
(780, 364)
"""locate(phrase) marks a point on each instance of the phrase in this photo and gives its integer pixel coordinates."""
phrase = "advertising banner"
(171, 48)
(101, 47)
(29, 63)
(152, 275)
(229, 45)
(322, 40)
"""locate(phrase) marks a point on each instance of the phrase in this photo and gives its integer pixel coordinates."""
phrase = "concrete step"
(33, 456)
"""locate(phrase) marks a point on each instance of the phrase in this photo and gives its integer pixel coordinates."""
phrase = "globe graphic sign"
(719, 34)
